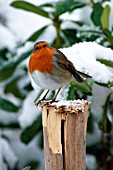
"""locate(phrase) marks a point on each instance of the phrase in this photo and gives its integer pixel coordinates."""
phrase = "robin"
(50, 69)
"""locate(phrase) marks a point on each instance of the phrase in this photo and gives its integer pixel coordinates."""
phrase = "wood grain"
(64, 138)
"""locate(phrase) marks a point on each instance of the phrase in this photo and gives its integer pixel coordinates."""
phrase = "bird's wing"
(67, 65)
(61, 59)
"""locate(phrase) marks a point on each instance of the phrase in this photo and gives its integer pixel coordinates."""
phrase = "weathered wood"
(64, 129)
(75, 141)
(52, 139)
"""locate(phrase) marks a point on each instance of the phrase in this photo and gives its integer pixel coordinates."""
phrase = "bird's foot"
(52, 101)
(43, 102)
(39, 103)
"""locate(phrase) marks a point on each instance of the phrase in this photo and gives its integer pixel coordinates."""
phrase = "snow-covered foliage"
(84, 56)
(7, 154)
(79, 39)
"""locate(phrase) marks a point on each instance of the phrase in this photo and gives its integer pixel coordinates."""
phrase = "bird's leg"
(44, 98)
(54, 98)
(45, 95)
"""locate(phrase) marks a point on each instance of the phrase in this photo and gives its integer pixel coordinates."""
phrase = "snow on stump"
(64, 130)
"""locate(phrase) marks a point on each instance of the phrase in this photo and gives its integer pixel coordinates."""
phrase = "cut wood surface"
(64, 130)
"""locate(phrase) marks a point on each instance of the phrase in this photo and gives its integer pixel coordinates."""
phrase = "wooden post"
(64, 129)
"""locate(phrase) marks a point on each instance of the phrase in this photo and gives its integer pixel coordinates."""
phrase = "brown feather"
(84, 75)
(68, 65)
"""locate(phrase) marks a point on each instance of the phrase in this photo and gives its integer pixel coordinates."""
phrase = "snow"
(7, 39)
(84, 57)
(99, 94)
(28, 153)
(95, 137)
(7, 154)
(20, 24)
(78, 15)
(74, 106)
(24, 153)
(49, 32)
(91, 162)
(29, 111)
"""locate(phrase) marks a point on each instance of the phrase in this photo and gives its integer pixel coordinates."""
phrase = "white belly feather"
(48, 81)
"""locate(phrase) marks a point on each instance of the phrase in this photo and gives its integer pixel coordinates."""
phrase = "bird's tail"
(84, 75)
(78, 76)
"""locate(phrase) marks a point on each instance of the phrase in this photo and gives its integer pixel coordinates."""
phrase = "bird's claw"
(39, 103)
(52, 101)
(44, 102)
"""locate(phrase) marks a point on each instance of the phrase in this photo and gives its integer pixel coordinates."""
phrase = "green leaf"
(51, 4)
(39, 94)
(58, 42)
(71, 35)
(28, 87)
(106, 62)
(90, 125)
(105, 125)
(8, 68)
(36, 34)
(109, 84)
(12, 125)
(96, 14)
(7, 105)
(63, 6)
(22, 57)
(3, 54)
(77, 5)
(27, 168)
(85, 87)
(105, 17)
(12, 87)
(29, 7)
(29, 132)
(109, 35)
(40, 142)
(71, 92)
(68, 5)
(34, 164)
(88, 31)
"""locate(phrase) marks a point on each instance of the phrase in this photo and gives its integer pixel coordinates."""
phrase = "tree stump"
(64, 130)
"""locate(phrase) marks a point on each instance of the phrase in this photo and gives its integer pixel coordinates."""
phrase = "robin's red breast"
(50, 69)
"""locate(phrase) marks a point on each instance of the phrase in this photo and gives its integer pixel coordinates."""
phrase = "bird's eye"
(36, 48)
(44, 45)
